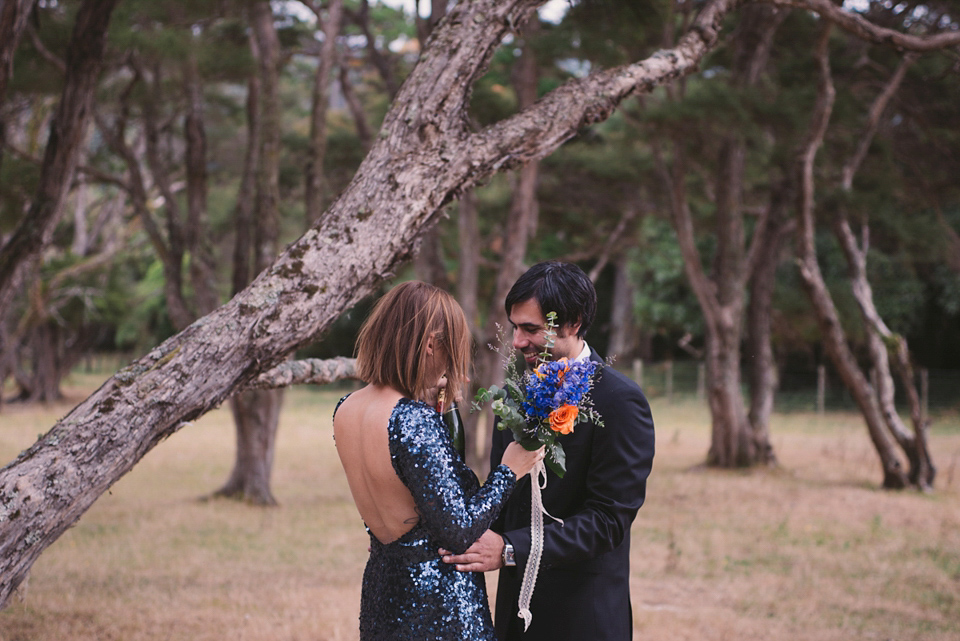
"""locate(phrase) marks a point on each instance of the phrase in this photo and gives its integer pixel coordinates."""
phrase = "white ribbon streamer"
(538, 480)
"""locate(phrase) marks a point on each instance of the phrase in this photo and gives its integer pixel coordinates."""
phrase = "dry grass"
(810, 551)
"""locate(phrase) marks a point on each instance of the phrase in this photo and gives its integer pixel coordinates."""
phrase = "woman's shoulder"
(410, 417)
(340, 402)
(409, 408)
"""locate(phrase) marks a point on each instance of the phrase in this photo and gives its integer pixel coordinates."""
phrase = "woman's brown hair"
(391, 347)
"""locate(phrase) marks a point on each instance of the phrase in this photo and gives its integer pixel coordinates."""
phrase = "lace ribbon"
(538, 480)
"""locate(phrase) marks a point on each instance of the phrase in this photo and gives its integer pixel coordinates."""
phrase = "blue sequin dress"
(408, 592)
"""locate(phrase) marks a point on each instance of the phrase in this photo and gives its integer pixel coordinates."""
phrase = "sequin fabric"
(408, 592)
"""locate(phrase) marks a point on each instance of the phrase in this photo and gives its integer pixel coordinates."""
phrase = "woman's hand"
(432, 395)
(521, 460)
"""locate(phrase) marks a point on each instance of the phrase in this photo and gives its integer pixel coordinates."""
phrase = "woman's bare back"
(360, 429)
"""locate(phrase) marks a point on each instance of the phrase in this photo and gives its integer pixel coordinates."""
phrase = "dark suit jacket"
(583, 588)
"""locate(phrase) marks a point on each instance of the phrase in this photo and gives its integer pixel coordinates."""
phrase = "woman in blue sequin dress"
(411, 487)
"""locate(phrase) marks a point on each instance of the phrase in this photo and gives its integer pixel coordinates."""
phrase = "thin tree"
(67, 130)
(256, 413)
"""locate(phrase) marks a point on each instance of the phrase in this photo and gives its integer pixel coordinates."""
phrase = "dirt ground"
(809, 551)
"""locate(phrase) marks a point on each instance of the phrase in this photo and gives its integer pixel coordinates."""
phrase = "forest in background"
(100, 284)
(772, 194)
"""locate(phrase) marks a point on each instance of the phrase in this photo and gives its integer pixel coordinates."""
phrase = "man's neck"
(584, 353)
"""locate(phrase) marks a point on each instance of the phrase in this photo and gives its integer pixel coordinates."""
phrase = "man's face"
(529, 333)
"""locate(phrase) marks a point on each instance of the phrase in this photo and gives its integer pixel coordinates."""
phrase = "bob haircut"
(392, 345)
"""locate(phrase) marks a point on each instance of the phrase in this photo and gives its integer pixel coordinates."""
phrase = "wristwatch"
(508, 558)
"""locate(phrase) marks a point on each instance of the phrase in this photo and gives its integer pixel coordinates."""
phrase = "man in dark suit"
(583, 588)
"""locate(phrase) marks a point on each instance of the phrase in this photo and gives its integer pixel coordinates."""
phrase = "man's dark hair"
(557, 287)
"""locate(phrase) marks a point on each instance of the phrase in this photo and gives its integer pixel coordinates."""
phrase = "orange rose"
(562, 418)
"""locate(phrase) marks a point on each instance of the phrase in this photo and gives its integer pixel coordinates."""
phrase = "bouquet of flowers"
(539, 405)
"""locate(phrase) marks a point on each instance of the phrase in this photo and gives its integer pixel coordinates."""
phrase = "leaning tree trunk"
(425, 157)
(67, 132)
(835, 342)
(882, 342)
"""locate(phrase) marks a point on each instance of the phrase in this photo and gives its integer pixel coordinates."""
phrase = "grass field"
(811, 551)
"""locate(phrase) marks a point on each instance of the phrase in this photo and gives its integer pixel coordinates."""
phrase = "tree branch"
(873, 121)
(313, 371)
(44, 52)
(866, 30)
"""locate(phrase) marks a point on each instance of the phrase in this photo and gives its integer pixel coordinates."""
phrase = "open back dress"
(408, 591)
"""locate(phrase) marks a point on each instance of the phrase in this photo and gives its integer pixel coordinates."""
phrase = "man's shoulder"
(610, 379)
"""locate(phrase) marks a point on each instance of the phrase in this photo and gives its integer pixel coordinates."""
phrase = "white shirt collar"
(584, 353)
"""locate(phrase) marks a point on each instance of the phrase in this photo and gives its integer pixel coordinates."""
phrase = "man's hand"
(484, 555)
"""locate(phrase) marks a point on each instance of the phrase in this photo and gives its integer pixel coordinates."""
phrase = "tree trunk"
(732, 444)
(356, 109)
(67, 132)
(468, 295)
(315, 184)
(762, 370)
(721, 300)
(178, 308)
(243, 212)
(881, 344)
(13, 21)
(622, 329)
(379, 60)
(256, 413)
(835, 342)
(736, 440)
(881, 341)
(425, 157)
(521, 226)
(202, 269)
(428, 265)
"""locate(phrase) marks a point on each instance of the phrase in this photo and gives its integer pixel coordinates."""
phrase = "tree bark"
(243, 211)
(180, 311)
(752, 49)
(881, 341)
(762, 371)
(736, 440)
(256, 413)
(356, 109)
(425, 157)
(381, 62)
(67, 131)
(835, 342)
(308, 371)
(521, 226)
(202, 268)
(13, 21)
(315, 184)
(622, 328)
